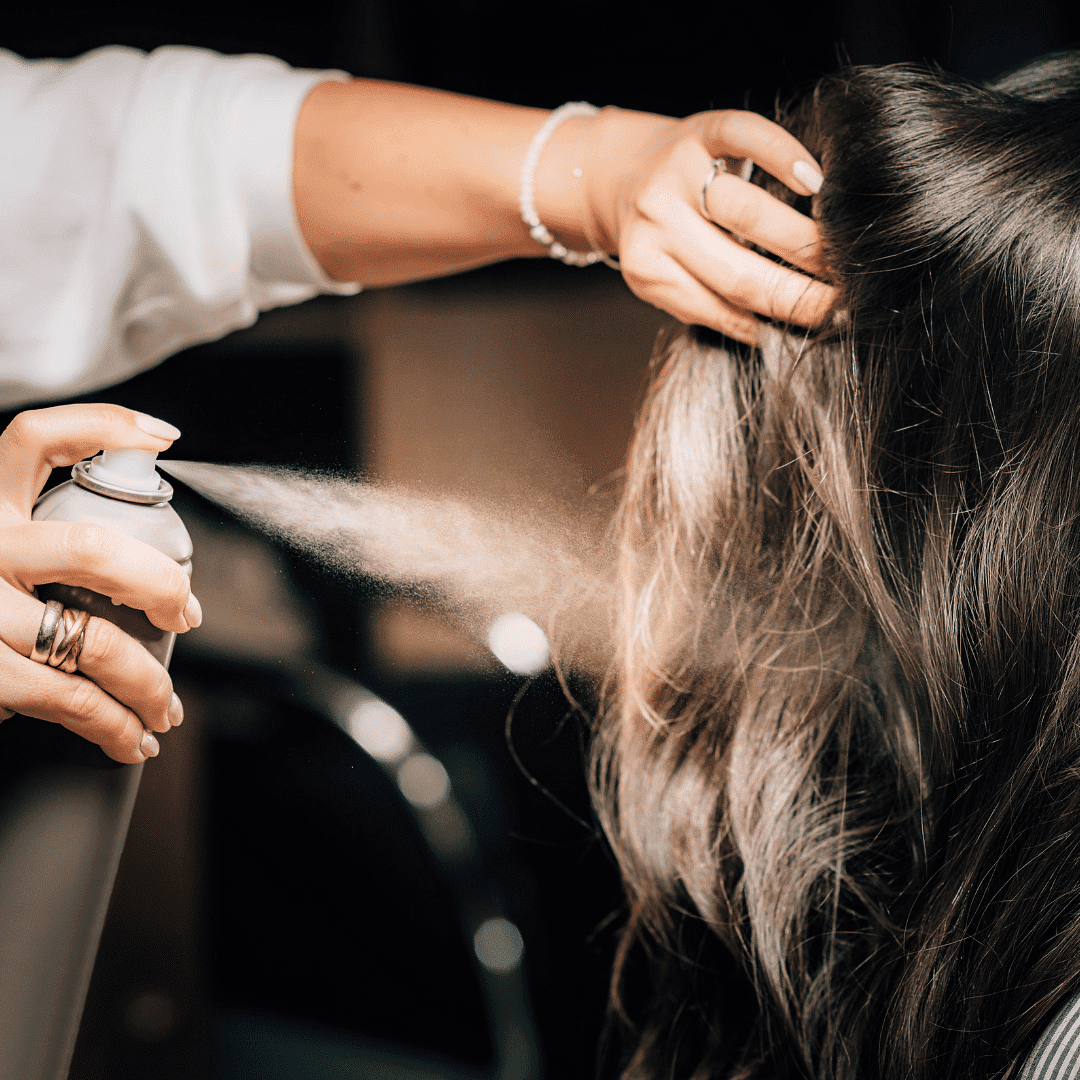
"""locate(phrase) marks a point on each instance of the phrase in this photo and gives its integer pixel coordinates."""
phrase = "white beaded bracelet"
(537, 229)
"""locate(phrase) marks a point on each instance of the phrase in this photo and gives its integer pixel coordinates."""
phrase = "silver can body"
(156, 524)
(65, 813)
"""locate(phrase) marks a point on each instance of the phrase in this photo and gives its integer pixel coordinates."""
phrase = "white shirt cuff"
(263, 147)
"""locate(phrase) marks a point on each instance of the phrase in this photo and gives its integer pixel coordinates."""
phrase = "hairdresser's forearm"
(395, 183)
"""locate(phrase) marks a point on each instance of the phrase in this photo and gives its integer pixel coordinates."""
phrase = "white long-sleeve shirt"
(145, 205)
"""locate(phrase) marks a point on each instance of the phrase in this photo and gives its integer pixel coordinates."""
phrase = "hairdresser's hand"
(644, 181)
(121, 690)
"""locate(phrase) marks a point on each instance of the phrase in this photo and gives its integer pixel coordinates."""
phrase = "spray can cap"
(129, 475)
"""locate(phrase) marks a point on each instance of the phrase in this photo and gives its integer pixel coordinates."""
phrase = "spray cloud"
(474, 561)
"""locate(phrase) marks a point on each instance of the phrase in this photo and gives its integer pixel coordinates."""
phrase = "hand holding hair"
(649, 182)
(396, 183)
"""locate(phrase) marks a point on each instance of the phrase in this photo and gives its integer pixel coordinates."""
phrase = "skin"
(123, 692)
(393, 184)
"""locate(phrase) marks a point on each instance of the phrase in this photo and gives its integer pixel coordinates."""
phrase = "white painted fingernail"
(176, 712)
(149, 747)
(158, 428)
(193, 611)
(808, 176)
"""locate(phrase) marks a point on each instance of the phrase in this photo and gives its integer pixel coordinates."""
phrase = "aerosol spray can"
(64, 814)
(122, 490)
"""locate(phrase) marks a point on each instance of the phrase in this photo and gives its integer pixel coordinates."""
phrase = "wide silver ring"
(46, 635)
(715, 166)
(67, 650)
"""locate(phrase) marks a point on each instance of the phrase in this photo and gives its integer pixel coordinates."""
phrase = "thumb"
(40, 440)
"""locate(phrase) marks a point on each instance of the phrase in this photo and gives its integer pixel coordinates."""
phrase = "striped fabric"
(1057, 1053)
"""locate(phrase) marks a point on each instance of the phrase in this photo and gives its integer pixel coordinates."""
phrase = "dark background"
(676, 57)
(281, 901)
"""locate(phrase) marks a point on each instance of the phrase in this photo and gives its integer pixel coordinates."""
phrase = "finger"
(123, 668)
(751, 213)
(80, 705)
(119, 664)
(40, 440)
(746, 279)
(746, 135)
(670, 287)
(93, 557)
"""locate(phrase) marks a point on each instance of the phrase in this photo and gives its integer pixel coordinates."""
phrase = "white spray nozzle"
(133, 470)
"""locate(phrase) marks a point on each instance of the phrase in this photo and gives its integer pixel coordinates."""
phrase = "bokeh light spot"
(381, 730)
(423, 781)
(498, 945)
(519, 643)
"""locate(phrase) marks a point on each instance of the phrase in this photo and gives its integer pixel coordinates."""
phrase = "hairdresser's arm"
(394, 183)
(122, 693)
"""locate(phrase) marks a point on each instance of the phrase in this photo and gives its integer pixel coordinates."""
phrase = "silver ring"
(46, 635)
(715, 166)
(66, 652)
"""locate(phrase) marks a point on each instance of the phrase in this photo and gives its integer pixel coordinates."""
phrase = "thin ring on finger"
(715, 166)
(66, 652)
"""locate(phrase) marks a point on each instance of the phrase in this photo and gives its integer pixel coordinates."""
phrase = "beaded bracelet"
(537, 229)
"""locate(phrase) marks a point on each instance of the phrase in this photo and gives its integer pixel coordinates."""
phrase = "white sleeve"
(145, 205)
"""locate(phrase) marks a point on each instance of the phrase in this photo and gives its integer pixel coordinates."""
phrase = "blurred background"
(338, 867)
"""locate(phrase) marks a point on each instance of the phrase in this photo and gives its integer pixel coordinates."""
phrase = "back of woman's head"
(842, 740)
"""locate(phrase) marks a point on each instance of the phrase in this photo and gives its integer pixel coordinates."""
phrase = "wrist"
(614, 151)
(557, 183)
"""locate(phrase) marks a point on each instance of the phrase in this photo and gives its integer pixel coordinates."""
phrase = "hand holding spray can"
(63, 829)
(122, 490)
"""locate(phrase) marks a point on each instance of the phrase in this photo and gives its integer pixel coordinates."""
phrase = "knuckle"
(26, 430)
(786, 294)
(107, 648)
(101, 643)
(653, 202)
(83, 700)
(89, 545)
(176, 585)
(779, 144)
(123, 741)
(147, 686)
(721, 124)
(743, 214)
(160, 688)
(739, 287)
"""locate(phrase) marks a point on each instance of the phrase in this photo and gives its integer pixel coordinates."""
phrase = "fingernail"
(176, 712)
(158, 428)
(807, 175)
(193, 611)
(149, 747)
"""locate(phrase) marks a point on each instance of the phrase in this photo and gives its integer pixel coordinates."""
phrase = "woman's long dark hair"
(841, 744)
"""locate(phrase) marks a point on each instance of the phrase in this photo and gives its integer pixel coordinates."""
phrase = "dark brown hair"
(840, 748)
